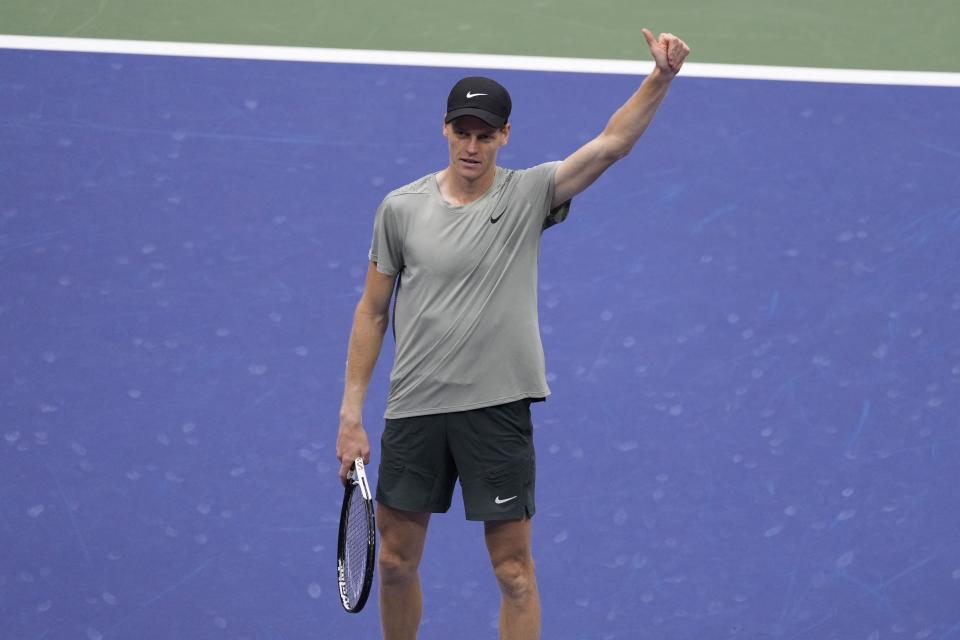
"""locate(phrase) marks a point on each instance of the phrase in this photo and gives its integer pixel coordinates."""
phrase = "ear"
(505, 131)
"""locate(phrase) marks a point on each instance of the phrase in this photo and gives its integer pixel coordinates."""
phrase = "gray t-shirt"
(465, 316)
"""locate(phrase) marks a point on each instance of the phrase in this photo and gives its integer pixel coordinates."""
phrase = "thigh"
(416, 469)
(402, 535)
(494, 453)
(509, 541)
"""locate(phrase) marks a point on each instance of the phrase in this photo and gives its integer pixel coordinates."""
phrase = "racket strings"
(358, 532)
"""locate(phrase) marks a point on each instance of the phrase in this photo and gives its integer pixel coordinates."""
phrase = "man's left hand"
(668, 51)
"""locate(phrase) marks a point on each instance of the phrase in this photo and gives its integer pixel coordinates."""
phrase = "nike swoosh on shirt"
(494, 220)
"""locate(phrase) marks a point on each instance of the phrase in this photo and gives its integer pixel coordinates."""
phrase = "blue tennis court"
(752, 328)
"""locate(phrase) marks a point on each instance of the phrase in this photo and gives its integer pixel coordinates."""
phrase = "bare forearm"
(581, 168)
(366, 339)
(630, 121)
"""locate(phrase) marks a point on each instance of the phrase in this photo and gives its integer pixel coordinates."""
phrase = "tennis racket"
(357, 542)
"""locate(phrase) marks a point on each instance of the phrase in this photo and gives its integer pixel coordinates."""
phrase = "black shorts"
(490, 449)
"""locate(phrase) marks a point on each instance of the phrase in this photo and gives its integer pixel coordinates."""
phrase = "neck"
(456, 189)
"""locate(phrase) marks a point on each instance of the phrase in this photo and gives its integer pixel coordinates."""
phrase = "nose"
(472, 145)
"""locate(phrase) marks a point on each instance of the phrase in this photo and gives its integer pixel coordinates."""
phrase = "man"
(460, 248)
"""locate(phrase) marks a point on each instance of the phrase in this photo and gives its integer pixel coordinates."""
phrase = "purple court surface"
(752, 328)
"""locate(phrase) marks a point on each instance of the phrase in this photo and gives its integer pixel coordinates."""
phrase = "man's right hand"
(352, 443)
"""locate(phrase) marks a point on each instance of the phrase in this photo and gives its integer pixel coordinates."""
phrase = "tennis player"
(458, 249)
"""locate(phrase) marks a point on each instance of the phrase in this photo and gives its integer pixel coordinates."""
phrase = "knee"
(516, 578)
(396, 566)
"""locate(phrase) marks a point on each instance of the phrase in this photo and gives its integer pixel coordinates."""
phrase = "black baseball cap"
(479, 97)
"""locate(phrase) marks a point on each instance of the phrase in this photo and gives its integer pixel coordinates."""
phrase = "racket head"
(356, 541)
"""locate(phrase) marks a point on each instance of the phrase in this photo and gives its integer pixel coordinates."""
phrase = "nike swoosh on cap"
(474, 95)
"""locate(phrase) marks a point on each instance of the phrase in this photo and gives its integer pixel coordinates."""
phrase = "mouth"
(469, 162)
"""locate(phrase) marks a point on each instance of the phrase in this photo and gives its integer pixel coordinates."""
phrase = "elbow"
(619, 153)
(377, 318)
(380, 321)
(615, 147)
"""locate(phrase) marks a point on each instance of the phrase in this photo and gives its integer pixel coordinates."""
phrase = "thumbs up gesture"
(668, 51)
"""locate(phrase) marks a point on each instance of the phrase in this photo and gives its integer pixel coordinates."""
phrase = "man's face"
(474, 145)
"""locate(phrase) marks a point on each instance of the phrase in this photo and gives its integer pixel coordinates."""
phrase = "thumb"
(651, 41)
(345, 464)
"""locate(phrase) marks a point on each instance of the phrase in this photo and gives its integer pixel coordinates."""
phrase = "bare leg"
(508, 542)
(402, 535)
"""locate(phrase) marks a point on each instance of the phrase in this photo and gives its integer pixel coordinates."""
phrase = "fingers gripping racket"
(357, 542)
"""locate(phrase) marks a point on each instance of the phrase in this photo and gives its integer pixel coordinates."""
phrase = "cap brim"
(486, 116)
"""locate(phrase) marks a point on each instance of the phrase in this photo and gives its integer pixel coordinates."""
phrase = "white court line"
(475, 61)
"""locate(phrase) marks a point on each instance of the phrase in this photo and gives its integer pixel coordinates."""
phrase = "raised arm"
(366, 337)
(584, 166)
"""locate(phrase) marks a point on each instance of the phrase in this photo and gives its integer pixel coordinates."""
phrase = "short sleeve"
(386, 247)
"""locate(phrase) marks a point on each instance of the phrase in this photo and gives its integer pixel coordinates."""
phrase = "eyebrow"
(487, 131)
